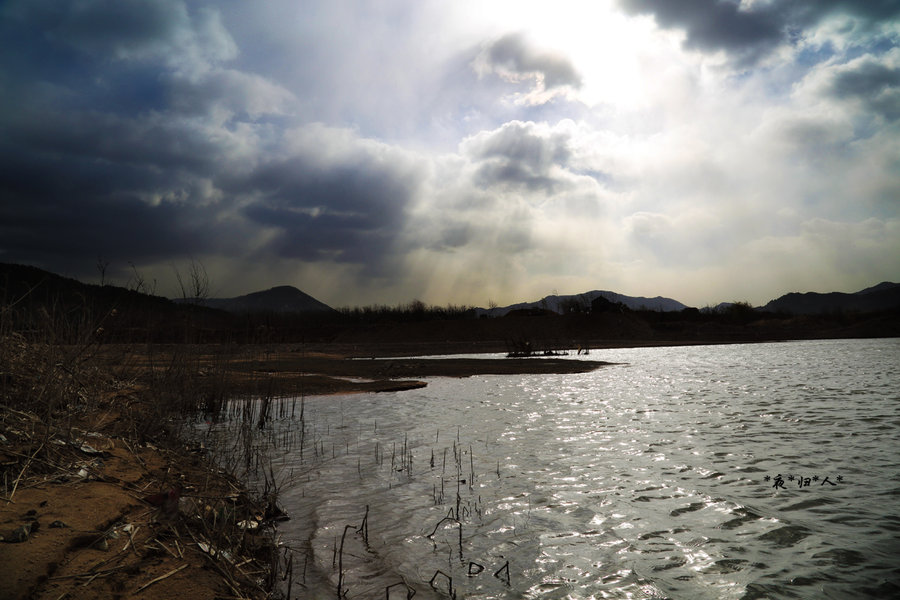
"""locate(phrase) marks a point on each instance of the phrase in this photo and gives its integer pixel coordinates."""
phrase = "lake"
(726, 471)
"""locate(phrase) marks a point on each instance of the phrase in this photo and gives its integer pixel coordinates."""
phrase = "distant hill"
(281, 299)
(582, 302)
(884, 296)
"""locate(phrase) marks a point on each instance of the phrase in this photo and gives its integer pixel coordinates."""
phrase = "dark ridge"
(281, 299)
(884, 296)
(35, 303)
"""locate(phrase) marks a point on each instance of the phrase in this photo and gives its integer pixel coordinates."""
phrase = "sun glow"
(620, 59)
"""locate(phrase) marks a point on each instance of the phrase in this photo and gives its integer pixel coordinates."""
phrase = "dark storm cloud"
(874, 84)
(869, 79)
(154, 142)
(76, 214)
(748, 33)
(93, 164)
(117, 129)
(714, 24)
(513, 53)
(59, 207)
(351, 210)
(119, 57)
(119, 225)
(519, 155)
(123, 28)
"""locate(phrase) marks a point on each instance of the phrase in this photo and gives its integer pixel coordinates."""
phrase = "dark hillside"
(36, 303)
(281, 299)
(49, 307)
(884, 285)
(884, 296)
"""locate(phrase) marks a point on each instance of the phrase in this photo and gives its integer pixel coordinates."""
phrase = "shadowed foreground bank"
(103, 494)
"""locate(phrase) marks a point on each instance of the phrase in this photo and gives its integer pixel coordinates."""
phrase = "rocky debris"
(17, 535)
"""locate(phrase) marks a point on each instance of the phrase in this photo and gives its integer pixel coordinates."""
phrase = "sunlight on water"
(739, 471)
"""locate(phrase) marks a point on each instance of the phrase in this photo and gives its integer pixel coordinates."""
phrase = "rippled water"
(651, 479)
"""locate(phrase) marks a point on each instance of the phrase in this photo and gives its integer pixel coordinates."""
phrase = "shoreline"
(74, 519)
(318, 369)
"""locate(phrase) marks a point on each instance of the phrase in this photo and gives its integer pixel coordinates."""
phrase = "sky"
(464, 152)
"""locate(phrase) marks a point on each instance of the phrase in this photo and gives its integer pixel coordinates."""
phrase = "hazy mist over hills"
(41, 305)
(883, 296)
(20, 280)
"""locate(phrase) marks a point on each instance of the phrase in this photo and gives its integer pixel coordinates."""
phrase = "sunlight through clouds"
(370, 153)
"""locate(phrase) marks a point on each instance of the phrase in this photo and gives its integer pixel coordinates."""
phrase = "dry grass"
(83, 438)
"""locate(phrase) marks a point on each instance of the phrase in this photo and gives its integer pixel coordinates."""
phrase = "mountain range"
(582, 303)
(19, 280)
(884, 296)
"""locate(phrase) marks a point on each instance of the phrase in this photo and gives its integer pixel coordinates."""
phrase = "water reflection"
(644, 480)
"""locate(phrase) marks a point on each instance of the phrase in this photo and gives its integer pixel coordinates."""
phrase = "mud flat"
(323, 374)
